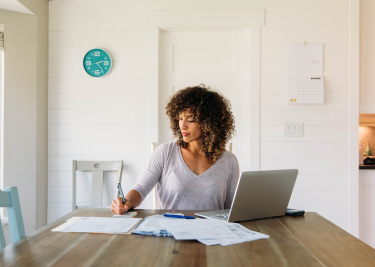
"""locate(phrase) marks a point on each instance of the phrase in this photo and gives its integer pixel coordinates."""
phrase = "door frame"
(180, 20)
(353, 117)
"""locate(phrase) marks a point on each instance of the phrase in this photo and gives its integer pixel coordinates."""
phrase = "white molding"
(204, 18)
(14, 5)
(353, 170)
(157, 21)
(255, 98)
(153, 91)
(154, 84)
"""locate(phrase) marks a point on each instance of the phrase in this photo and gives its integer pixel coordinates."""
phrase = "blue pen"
(121, 194)
(179, 216)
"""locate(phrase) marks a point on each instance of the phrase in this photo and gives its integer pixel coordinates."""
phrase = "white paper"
(197, 229)
(242, 232)
(128, 215)
(151, 226)
(98, 225)
(306, 59)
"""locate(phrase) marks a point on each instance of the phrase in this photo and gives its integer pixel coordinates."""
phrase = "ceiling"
(14, 5)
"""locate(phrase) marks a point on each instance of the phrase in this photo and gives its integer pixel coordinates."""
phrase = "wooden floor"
(310, 240)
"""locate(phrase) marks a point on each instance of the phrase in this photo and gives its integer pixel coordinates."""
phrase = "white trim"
(153, 85)
(204, 18)
(153, 92)
(14, 5)
(353, 169)
(219, 19)
(255, 98)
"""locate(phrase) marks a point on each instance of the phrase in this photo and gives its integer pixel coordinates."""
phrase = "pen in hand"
(121, 194)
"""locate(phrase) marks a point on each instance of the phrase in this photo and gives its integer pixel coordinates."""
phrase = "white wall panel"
(76, 70)
(103, 101)
(280, 68)
(281, 52)
(107, 119)
(117, 53)
(97, 116)
(80, 7)
(58, 210)
(299, 36)
(279, 101)
(307, 166)
(308, 117)
(295, 149)
(89, 148)
(98, 86)
(64, 163)
(98, 132)
(98, 39)
(367, 58)
(329, 199)
(336, 215)
(101, 22)
(279, 84)
(306, 20)
(321, 183)
(314, 133)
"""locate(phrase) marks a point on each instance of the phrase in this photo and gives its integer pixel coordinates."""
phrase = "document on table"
(242, 232)
(197, 229)
(151, 226)
(127, 215)
(99, 225)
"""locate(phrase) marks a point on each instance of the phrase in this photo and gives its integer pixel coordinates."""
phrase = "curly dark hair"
(211, 111)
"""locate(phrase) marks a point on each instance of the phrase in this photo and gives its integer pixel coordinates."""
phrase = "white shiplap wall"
(107, 118)
(321, 155)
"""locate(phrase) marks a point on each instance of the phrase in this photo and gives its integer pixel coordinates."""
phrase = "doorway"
(220, 60)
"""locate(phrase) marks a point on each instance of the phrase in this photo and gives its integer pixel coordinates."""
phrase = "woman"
(195, 172)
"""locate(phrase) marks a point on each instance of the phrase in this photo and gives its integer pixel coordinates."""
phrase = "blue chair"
(9, 199)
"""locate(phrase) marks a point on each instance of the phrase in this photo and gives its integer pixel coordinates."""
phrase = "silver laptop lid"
(262, 194)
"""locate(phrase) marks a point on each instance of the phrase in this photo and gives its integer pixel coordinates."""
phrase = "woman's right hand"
(118, 208)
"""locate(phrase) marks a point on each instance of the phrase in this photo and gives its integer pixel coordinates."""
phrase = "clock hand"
(100, 67)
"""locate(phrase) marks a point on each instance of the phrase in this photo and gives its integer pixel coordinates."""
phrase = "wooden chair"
(97, 168)
(9, 199)
(157, 205)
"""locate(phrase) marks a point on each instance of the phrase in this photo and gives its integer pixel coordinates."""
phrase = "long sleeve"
(153, 172)
(232, 183)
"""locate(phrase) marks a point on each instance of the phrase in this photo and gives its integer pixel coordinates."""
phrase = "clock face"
(97, 62)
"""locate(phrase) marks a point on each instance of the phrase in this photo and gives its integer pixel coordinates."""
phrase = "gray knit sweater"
(178, 188)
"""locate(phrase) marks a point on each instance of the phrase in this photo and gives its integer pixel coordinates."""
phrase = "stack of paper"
(208, 232)
(98, 225)
(127, 215)
(151, 226)
(242, 232)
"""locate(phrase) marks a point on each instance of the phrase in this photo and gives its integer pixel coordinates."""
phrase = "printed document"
(197, 229)
(99, 225)
(242, 232)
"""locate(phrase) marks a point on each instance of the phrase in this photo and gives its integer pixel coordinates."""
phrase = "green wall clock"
(97, 62)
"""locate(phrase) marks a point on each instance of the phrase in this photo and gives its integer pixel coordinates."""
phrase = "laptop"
(259, 195)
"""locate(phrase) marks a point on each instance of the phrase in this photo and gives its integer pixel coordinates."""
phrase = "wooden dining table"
(308, 240)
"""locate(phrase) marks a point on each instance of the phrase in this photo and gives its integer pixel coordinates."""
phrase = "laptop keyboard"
(220, 217)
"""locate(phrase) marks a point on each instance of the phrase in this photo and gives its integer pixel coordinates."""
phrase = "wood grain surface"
(310, 240)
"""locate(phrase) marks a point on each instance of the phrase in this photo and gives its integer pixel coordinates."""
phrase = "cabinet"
(367, 206)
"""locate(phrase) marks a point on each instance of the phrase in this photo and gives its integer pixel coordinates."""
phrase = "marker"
(179, 216)
(121, 194)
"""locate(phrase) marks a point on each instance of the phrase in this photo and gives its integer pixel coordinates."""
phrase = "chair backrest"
(9, 198)
(155, 197)
(157, 205)
(97, 168)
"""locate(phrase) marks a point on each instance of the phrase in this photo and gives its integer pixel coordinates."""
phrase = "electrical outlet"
(292, 129)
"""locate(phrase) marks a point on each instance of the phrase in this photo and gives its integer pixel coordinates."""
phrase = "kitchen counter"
(367, 167)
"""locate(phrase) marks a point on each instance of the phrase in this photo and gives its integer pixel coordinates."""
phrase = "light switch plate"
(292, 129)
